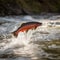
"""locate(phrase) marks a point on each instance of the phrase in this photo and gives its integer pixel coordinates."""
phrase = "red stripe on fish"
(26, 27)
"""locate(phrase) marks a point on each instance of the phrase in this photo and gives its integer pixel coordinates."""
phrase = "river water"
(43, 43)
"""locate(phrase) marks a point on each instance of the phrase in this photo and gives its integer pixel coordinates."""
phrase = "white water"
(24, 45)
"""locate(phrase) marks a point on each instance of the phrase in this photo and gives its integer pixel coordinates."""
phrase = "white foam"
(21, 44)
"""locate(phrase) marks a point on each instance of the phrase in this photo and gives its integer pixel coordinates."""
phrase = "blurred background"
(28, 7)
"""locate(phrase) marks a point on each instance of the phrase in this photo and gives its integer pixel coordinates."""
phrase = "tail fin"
(14, 34)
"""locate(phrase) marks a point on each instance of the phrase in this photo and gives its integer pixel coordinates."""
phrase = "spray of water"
(24, 43)
(27, 44)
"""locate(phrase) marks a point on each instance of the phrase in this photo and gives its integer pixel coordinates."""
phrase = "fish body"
(26, 27)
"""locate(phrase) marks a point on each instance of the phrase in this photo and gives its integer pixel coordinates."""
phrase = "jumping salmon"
(26, 27)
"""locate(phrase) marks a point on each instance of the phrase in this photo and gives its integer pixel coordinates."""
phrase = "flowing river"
(43, 43)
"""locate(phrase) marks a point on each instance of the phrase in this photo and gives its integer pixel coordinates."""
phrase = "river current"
(43, 43)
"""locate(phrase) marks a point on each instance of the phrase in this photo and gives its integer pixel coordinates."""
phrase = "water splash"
(35, 44)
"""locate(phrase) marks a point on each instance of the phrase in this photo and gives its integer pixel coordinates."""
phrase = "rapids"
(43, 43)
